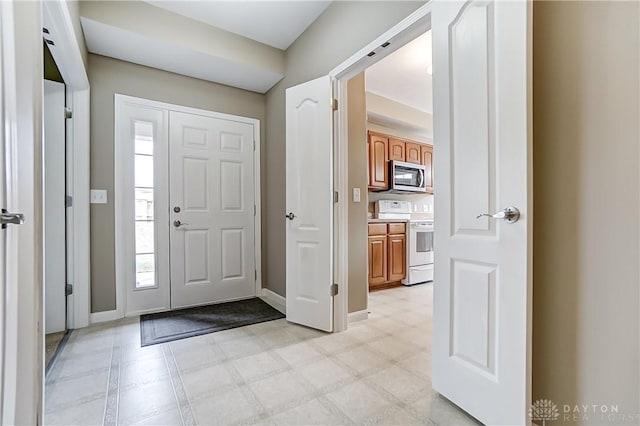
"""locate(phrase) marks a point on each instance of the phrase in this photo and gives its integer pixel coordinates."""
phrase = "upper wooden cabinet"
(413, 153)
(383, 148)
(396, 150)
(378, 161)
(426, 154)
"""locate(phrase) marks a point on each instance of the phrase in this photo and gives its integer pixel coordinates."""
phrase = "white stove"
(393, 209)
(419, 252)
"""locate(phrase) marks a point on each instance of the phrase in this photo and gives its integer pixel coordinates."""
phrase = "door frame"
(66, 53)
(400, 34)
(120, 255)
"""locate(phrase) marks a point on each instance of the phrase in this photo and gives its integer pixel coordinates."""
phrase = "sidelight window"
(144, 207)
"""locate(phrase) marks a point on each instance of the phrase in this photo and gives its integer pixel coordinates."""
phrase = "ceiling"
(275, 23)
(404, 76)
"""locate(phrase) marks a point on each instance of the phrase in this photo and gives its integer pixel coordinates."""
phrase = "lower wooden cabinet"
(397, 257)
(387, 253)
(377, 260)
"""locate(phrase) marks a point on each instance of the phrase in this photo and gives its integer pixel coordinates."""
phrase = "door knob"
(178, 223)
(510, 215)
(7, 218)
(290, 216)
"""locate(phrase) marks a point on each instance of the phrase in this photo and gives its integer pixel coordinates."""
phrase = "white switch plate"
(98, 196)
(356, 195)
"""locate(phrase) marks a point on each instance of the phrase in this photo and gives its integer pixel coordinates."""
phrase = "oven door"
(407, 177)
(420, 244)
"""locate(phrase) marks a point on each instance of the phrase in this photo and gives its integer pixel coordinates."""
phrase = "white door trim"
(406, 30)
(66, 53)
(118, 173)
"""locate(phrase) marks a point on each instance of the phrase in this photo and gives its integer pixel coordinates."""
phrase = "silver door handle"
(7, 218)
(510, 215)
(290, 216)
(178, 224)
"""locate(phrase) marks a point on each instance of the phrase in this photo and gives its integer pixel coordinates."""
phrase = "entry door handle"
(7, 218)
(510, 215)
(178, 223)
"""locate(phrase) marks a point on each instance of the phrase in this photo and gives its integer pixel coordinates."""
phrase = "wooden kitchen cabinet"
(426, 154)
(412, 153)
(396, 150)
(387, 254)
(397, 257)
(377, 260)
(378, 161)
(383, 148)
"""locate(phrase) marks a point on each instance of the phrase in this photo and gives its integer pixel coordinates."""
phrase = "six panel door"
(212, 210)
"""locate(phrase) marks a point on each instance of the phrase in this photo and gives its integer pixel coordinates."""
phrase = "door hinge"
(255, 210)
(68, 113)
(334, 289)
(68, 201)
(254, 144)
(68, 289)
(334, 104)
(255, 275)
(335, 196)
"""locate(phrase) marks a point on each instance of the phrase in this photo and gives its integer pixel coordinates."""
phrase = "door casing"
(121, 257)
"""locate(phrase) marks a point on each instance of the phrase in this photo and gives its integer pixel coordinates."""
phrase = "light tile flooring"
(273, 373)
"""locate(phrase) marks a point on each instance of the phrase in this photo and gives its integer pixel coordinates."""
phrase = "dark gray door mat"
(174, 325)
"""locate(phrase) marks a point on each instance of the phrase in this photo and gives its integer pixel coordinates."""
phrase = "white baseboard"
(105, 316)
(358, 316)
(275, 300)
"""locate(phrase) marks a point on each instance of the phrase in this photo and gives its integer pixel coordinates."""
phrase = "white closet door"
(211, 209)
(54, 208)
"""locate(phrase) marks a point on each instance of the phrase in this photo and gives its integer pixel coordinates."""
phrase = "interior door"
(212, 210)
(482, 292)
(54, 207)
(309, 204)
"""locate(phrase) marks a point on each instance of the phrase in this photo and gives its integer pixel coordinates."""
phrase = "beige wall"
(586, 206)
(109, 76)
(343, 29)
(358, 178)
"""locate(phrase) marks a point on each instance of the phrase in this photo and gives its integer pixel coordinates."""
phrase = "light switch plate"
(98, 196)
(356, 195)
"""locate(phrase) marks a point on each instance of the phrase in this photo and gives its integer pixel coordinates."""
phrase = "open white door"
(482, 291)
(309, 213)
(21, 298)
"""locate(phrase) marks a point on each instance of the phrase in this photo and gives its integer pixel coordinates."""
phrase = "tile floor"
(274, 373)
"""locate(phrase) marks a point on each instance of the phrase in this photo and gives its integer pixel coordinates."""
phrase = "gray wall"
(343, 29)
(109, 76)
(358, 178)
(586, 206)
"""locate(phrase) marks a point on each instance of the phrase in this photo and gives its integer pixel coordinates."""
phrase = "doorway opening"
(55, 209)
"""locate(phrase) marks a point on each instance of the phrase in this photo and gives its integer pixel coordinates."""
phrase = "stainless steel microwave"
(406, 177)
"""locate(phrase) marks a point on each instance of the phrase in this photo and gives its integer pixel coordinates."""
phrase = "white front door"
(54, 207)
(212, 210)
(309, 204)
(482, 288)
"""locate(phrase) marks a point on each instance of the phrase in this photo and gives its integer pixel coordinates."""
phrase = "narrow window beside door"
(144, 217)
